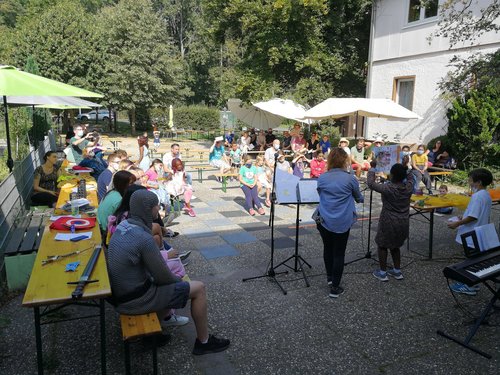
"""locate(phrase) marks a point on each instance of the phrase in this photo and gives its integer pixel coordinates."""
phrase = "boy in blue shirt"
(325, 145)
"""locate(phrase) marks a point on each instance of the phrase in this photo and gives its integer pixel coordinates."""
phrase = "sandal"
(261, 211)
(251, 212)
(268, 203)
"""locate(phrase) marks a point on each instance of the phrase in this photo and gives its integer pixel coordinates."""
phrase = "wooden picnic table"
(48, 288)
(427, 205)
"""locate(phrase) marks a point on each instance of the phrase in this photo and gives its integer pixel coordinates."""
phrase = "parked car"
(103, 114)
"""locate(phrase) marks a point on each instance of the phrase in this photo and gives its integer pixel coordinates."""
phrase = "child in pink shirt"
(318, 165)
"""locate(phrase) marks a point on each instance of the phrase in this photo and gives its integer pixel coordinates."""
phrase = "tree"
(476, 72)
(180, 17)
(139, 64)
(40, 123)
(459, 23)
(290, 47)
(474, 128)
(61, 40)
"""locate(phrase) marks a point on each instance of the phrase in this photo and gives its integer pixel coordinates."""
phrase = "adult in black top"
(438, 155)
(270, 137)
(287, 140)
(45, 182)
(312, 144)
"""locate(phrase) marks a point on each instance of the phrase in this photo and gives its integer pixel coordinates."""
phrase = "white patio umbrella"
(284, 108)
(253, 116)
(367, 107)
(170, 117)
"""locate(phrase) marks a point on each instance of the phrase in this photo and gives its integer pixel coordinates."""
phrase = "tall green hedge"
(474, 127)
(195, 117)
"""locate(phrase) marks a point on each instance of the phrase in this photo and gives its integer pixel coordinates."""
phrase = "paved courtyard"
(374, 328)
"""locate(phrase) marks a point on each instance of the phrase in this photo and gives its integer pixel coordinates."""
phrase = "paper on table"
(69, 236)
(55, 217)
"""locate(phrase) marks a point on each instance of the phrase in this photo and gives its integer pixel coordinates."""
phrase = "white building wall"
(402, 49)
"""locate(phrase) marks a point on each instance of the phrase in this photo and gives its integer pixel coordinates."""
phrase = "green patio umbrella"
(62, 106)
(19, 83)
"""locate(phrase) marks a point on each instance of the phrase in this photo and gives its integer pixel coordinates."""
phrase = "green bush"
(474, 128)
(194, 117)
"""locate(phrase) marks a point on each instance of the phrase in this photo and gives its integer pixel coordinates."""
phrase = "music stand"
(271, 269)
(306, 193)
(368, 254)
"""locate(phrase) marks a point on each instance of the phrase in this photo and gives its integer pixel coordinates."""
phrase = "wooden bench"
(20, 229)
(439, 176)
(224, 177)
(200, 169)
(20, 251)
(136, 326)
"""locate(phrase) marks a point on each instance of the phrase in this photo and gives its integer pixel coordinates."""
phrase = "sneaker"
(184, 255)
(398, 275)
(261, 211)
(335, 291)
(329, 280)
(430, 192)
(171, 234)
(174, 320)
(214, 345)
(191, 212)
(251, 212)
(185, 262)
(463, 289)
(381, 275)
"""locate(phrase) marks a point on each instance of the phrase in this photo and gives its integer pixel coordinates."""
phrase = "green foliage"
(475, 71)
(61, 41)
(194, 117)
(138, 64)
(474, 127)
(41, 123)
(460, 24)
(307, 49)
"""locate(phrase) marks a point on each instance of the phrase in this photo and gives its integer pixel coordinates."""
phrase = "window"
(403, 91)
(419, 10)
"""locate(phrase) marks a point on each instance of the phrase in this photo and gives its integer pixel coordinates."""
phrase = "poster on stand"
(386, 157)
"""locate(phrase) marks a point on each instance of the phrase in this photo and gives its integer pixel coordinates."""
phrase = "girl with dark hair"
(121, 181)
(394, 222)
(45, 182)
(336, 213)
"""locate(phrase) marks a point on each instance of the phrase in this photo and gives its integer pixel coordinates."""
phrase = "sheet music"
(308, 191)
(286, 187)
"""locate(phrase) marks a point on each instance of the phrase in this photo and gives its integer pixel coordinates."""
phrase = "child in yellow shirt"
(419, 168)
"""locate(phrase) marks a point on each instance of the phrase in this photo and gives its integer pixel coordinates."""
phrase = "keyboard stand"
(466, 343)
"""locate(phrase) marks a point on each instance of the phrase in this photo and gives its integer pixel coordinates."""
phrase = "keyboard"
(475, 270)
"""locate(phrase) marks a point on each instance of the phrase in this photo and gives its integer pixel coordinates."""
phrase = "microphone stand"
(271, 273)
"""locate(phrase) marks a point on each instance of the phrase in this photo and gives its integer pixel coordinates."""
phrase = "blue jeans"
(251, 197)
